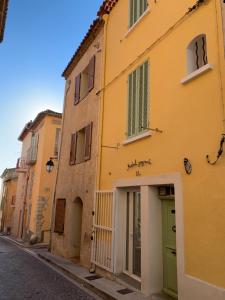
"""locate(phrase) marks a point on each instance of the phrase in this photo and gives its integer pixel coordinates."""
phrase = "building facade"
(75, 186)
(159, 209)
(9, 184)
(40, 144)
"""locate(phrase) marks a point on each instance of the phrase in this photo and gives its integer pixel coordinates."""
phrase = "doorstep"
(103, 287)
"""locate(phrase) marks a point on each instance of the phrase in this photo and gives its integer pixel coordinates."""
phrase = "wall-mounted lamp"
(50, 164)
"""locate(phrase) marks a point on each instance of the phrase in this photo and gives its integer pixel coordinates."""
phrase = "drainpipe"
(67, 87)
(105, 17)
(24, 203)
(219, 54)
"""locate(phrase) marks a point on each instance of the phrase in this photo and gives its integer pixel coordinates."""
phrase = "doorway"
(77, 211)
(133, 234)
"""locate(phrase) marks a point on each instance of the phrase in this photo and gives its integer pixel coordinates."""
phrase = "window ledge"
(137, 138)
(196, 73)
(137, 22)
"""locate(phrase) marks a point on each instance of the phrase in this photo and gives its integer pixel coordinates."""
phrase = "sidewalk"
(103, 287)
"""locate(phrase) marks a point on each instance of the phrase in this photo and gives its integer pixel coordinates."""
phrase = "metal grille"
(103, 230)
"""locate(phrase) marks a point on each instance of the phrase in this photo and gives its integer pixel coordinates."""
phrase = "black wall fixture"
(220, 151)
(187, 166)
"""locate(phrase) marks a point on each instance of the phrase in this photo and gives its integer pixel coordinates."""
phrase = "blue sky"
(40, 38)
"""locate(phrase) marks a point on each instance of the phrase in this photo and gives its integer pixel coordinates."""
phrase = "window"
(80, 149)
(60, 215)
(57, 141)
(197, 53)
(33, 150)
(137, 8)
(84, 82)
(138, 100)
(13, 200)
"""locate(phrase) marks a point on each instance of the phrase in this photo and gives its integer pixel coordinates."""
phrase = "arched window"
(197, 53)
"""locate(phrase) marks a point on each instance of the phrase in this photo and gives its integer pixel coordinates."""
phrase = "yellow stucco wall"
(43, 182)
(190, 116)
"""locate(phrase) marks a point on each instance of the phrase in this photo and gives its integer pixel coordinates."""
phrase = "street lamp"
(49, 165)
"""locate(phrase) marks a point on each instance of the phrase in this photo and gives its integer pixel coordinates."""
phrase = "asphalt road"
(23, 276)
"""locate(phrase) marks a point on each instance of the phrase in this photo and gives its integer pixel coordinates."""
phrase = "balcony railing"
(21, 165)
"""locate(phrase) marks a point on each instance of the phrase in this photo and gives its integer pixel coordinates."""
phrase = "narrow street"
(23, 276)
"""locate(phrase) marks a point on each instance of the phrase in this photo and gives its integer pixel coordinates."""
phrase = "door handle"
(174, 228)
(174, 252)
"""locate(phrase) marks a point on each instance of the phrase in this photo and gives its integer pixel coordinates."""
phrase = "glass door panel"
(133, 234)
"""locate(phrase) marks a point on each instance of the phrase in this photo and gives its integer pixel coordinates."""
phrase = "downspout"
(24, 203)
(67, 87)
(101, 114)
(105, 17)
(219, 61)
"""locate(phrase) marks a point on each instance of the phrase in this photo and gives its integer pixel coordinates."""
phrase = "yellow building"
(9, 183)
(40, 144)
(159, 209)
(3, 13)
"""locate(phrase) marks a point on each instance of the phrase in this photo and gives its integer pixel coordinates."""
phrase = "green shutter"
(137, 8)
(138, 100)
(130, 95)
(145, 96)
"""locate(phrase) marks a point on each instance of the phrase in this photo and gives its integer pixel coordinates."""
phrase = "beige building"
(3, 13)
(78, 155)
(40, 140)
(8, 198)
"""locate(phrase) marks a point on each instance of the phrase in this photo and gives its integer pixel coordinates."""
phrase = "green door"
(169, 247)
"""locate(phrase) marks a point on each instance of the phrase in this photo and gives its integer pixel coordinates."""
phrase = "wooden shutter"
(91, 74)
(57, 141)
(60, 215)
(77, 89)
(73, 149)
(88, 138)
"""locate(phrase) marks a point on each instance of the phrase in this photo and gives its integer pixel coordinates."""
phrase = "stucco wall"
(79, 180)
(190, 115)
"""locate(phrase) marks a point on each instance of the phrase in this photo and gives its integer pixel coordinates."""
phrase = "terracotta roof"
(84, 45)
(93, 31)
(9, 174)
(3, 13)
(106, 7)
(31, 124)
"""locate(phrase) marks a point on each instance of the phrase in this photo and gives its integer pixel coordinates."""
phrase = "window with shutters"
(137, 8)
(197, 53)
(80, 149)
(84, 82)
(57, 141)
(60, 215)
(138, 100)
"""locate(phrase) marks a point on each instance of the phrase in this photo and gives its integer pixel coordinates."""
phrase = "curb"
(79, 279)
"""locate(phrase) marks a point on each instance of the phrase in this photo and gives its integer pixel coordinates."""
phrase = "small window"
(80, 149)
(197, 53)
(137, 8)
(13, 200)
(60, 215)
(84, 82)
(138, 100)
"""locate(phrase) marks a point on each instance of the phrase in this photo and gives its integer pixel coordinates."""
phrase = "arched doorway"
(77, 211)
